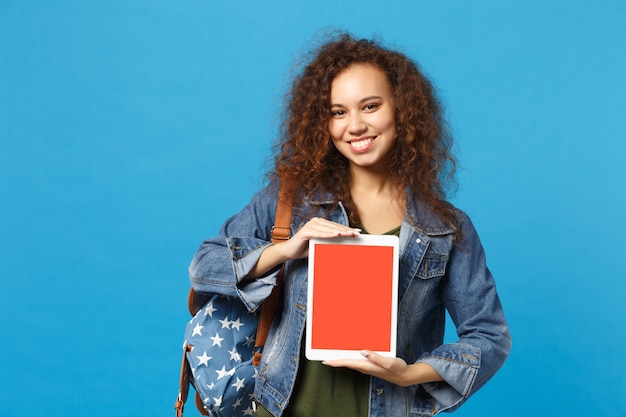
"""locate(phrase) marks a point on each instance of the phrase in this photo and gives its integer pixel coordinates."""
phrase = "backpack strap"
(281, 231)
(185, 373)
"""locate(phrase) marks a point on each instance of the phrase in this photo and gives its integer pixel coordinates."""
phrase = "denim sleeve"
(469, 293)
(222, 262)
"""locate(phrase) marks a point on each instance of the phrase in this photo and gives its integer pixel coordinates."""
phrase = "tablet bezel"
(361, 240)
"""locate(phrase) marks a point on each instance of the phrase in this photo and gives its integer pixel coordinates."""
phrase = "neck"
(378, 199)
(370, 181)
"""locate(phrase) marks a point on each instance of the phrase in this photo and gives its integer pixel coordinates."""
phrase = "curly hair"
(421, 159)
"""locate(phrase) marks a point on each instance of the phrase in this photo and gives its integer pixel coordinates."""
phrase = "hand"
(394, 370)
(298, 245)
(317, 228)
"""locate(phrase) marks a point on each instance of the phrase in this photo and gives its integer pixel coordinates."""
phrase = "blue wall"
(130, 130)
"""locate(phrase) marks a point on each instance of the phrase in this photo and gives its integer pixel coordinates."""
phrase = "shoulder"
(459, 225)
(256, 217)
(265, 198)
(431, 223)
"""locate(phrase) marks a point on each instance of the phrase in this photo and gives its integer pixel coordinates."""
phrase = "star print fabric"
(222, 335)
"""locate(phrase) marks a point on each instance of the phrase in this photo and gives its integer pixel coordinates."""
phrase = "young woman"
(366, 150)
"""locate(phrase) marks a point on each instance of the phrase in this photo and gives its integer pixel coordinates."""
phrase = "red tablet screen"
(352, 297)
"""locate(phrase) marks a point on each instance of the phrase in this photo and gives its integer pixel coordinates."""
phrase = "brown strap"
(195, 301)
(179, 405)
(280, 232)
(200, 405)
(183, 393)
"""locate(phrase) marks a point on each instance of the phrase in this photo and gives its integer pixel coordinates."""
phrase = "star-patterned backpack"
(224, 342)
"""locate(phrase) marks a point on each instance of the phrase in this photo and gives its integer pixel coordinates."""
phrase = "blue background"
(131, 129)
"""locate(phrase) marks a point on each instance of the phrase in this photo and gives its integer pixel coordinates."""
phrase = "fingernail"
(365, 353)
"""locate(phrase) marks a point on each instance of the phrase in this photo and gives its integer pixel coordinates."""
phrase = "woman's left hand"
(394, 370)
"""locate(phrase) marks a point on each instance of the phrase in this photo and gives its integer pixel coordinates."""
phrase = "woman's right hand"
(298, 245)
(317, 228)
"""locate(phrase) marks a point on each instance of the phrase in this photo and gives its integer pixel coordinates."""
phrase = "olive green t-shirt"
(323, 391)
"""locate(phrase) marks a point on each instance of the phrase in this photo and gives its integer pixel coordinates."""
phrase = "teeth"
(361, 144)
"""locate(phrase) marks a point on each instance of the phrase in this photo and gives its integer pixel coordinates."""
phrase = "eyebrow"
(363, 100)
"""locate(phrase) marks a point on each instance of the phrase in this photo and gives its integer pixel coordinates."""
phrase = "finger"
(373, 357)
(325, 228)
(360, 364)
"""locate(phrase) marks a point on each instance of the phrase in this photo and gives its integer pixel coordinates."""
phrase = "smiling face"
(362, 123)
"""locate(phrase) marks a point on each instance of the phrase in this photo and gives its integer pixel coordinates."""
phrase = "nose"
(356, 125)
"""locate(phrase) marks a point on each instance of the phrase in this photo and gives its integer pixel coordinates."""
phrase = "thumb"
(378, 359)
(371, 356)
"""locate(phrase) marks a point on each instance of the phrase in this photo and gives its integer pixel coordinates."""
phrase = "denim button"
(418, 240)
(379, 391)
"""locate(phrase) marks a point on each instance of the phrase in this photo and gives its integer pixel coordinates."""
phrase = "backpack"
(224, 341)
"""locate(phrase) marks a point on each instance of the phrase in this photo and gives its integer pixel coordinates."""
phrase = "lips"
(362, 143)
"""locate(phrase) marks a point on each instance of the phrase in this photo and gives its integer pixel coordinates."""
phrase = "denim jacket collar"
(430, 223)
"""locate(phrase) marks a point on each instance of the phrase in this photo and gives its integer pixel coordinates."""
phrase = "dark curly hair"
(421, 155)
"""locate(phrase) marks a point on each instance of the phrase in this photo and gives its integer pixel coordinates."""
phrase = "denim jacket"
(435, 274)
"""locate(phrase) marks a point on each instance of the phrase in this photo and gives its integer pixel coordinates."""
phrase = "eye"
(337, 113)
(371, 107)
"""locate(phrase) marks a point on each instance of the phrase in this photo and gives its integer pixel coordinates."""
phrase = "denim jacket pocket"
(429, 274)
(433, 265)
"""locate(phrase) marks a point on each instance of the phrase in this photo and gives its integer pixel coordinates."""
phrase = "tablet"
(352, 297)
